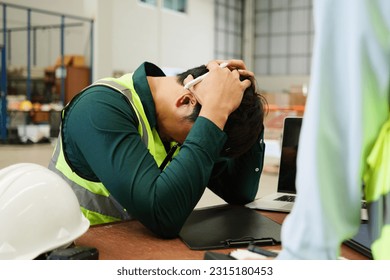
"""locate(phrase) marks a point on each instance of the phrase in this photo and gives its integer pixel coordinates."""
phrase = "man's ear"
(186, 99)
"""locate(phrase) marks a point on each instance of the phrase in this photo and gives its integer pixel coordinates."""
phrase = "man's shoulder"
(101, 93)
(100, 98)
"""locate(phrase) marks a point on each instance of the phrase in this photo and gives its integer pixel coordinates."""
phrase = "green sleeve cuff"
(207, 136)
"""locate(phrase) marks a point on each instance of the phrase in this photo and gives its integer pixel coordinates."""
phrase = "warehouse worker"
(117, 138)
(345, 131)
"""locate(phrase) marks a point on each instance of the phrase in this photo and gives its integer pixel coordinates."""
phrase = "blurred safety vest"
(377, 193)
(96, 203)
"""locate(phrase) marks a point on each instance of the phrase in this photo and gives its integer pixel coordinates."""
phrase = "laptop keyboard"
(291, 198)
(288, 198)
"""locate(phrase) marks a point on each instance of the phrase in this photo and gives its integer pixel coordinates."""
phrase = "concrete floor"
(41, 154)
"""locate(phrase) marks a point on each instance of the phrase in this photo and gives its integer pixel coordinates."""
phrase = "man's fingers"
(212, 65)
(188, 79)
(233, 63)
(246, 83)
(246, 73)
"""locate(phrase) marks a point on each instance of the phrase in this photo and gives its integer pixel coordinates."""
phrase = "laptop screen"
(288, 159)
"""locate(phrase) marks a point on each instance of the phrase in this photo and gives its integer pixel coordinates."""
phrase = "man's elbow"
(167, 231)
(240, 200)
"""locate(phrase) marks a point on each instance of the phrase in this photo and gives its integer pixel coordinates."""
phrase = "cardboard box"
(298, 95)
(67, 61)
(277, 99)
(78, 61)
(71, 60)
(40, 117)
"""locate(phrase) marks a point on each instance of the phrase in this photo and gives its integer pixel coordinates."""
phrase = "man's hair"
(244, 125)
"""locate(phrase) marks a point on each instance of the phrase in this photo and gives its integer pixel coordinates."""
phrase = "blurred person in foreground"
(345, 133)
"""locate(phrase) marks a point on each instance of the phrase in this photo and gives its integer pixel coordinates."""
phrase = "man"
(118, 136)
(348, 106)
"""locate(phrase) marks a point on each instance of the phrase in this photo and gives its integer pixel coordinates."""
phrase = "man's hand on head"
(221, 91)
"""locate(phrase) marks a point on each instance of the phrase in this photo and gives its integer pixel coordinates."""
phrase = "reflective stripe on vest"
(377, 193)
(150, 137)
(95, 200)
(126, 92)
(96, 203)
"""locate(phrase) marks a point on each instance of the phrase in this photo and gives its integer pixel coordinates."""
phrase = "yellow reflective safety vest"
(96, 203)
(377, 193)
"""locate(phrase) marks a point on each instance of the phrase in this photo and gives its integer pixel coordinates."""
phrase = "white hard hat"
(39, 212)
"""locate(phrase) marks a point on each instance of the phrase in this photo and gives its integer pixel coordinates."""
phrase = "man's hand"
(221, 91)
(235, 64)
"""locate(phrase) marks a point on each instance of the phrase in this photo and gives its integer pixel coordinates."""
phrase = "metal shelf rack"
(30, 29)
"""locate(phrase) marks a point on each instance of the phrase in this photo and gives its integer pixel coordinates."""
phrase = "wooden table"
(132, 241)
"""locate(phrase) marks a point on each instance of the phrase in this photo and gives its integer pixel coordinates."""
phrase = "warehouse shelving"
(30, 30)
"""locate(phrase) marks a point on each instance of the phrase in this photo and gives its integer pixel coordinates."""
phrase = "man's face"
(175, 131)
(173, 108)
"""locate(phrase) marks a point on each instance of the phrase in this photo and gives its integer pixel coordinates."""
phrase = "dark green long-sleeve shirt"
(102, 143)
